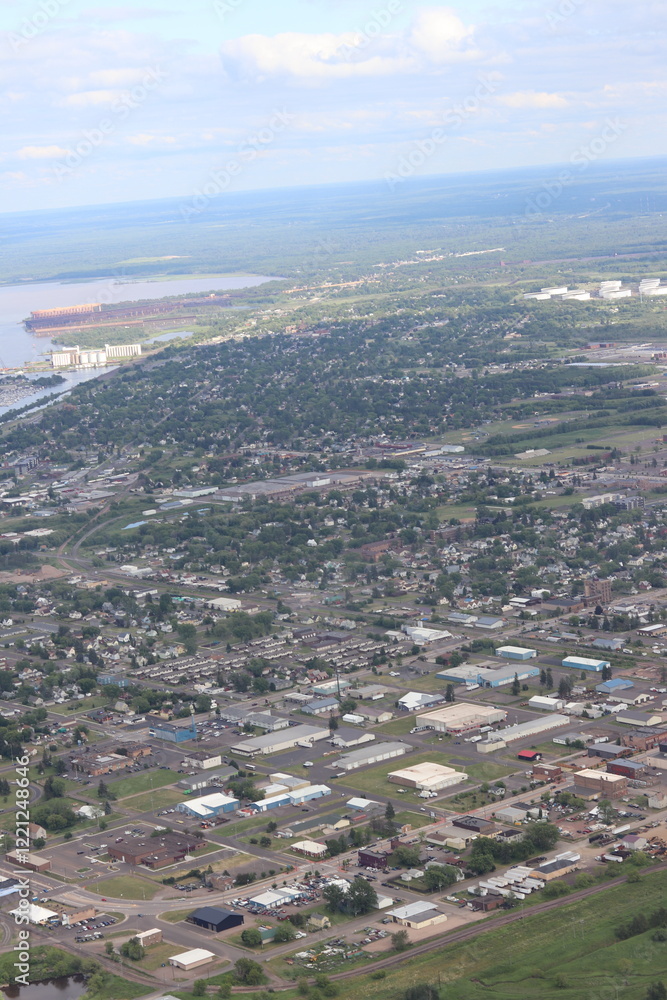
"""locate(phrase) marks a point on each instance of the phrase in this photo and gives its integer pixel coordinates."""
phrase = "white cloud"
(41, 152)
(439, 33)
(533, 99)
(436, 37)
(90, 98)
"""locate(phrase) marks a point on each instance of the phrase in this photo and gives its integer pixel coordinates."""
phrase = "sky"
(109, 102)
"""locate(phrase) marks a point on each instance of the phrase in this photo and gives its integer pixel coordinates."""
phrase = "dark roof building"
(214, 918)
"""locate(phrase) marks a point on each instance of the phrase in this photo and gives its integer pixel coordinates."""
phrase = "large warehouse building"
(532, 728)
(584, 663)
(291, 798)
(371, 754)
(209, 805)
(461, 717)
(489, 676)
(516, 653)
(589, 782)
(215, 918)
(428, 777)
(285, 740)
(192, 959)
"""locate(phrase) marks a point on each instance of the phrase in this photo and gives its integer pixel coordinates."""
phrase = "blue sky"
(106, 102)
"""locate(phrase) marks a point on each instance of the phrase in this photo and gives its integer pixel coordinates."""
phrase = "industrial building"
(195, 782)
(152, 936)
(192, 959)
(172, 733)
(290, 798)
(588, 783)
(76, 357)
(368, 858)
(203, 759)
(209, 805)
(277, 742)
(614, 685)
(632, 718)
(488, 676)
(346, 737)
(371, 755)
(33, 862)
(415, 700)
(215, 918)
(534, 727)
(516, 653)
(461, 717)
(544, 704)
(418, 915)
(310, 848)
(584, 663)
(428, 777)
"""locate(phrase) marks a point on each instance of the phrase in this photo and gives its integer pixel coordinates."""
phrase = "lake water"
(18, 347)
(66, 988)
(17, 302)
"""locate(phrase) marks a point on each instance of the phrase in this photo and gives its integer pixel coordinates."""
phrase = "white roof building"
(36, 914)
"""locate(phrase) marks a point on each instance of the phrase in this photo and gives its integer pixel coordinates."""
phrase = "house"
(318, 922)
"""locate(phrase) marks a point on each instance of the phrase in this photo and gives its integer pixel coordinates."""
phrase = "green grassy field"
(125, 887)
(143, 782)
(575, 940)
(159, 798)
(374, 780)
(174, 916)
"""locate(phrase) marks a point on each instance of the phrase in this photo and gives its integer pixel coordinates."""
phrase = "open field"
(374, 779)
(126, 887)
(159, 798)
(143, 782)
(174, 916)
(574, 940)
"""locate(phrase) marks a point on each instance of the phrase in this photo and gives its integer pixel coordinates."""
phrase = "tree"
(335, 897)
(248, 972)
(224, 991)
(360, 898)
(284, 932)
(4, 788)
(550, 679)
(400, 941)
(656, 991)
(422, 991)
(251, 937)
(406, 857)
(333, 723)
(607, 811)
(450, 694)
(438, 877)
(516, 686)
(389, 812)
(199, 988)
(133, 949)
(54, 788)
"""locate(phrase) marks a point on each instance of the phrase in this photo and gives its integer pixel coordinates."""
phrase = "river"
(18, 347)
(65, 988)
